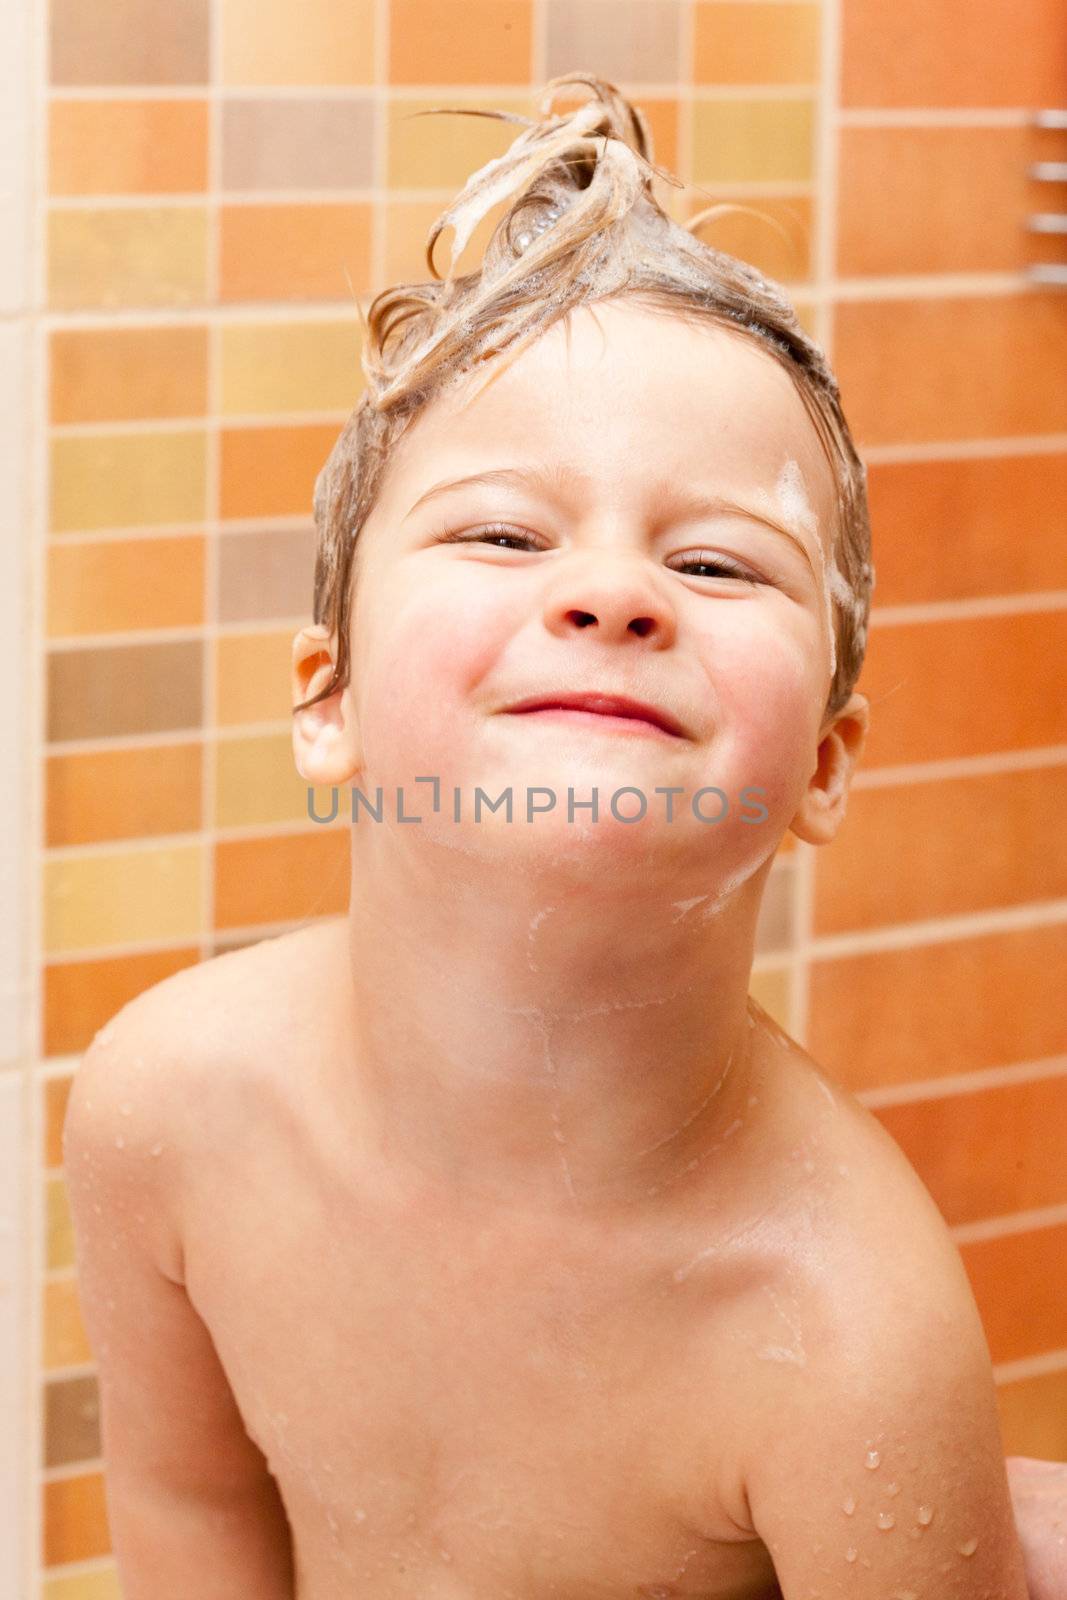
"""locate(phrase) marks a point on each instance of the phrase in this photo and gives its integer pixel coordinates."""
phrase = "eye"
(712, 562)
(494, 533)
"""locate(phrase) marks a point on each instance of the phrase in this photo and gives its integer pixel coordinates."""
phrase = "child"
(490, 1241)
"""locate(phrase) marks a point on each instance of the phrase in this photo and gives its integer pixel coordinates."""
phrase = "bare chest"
(471, 1411)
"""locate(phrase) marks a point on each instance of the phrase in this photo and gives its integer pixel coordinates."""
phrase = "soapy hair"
(583, 227)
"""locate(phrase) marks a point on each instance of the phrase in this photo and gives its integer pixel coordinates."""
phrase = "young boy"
(490, 1241)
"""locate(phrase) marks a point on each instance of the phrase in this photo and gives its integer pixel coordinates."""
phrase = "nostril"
(582, 618)
(642, 626)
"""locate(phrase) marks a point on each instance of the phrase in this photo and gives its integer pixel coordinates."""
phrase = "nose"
(614, 593)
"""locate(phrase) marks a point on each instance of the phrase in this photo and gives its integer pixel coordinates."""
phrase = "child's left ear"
(822, 809)
(326, 745)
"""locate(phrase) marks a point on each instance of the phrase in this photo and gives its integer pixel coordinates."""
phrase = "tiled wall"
(215, 181)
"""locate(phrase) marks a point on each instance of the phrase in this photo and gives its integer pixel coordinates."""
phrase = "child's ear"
(326, 743)
(822, 809)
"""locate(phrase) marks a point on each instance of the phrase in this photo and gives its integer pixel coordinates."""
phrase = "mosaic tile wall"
(216, 180)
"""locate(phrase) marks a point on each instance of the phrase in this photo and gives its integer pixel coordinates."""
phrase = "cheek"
(769, 691)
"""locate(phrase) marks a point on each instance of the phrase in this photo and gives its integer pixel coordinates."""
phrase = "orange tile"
(894, 185)
(122, 794)
(954, 530)
(317, 43)
(961, 368)
(281, 879)
(927, 1011)
(1018, 1283)
(294, 252)
(119, 584)
(270, 472)
(252, 677)
(74, 1518)
(967, 687)
(957, 845)
(493, 44)
(127, 146)
(117, 374)
(914, 54)
(65, 1341)
(990, 1152)
(80, 996)
(755, 44)
(55, 1093)
(1033, 1416)
(779, 247)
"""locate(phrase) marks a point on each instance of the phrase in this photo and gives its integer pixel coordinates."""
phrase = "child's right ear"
(325, 737)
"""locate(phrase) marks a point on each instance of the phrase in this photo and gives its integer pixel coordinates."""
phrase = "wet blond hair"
(584, 227)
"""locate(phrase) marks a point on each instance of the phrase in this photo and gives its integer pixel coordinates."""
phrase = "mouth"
(605, 708)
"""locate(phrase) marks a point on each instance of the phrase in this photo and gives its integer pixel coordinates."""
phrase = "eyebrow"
(559, 477)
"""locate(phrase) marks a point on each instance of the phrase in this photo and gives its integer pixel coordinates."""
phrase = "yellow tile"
(317, 42)
(101, 1585)
(119, 897)
(252, 675)
(407, 224)
(299, 366)
(64, 1340)
(443, 151)
(257, 782)
(752, 141)
(771, 988)
(127, 480)
(136, 256)
(125, 583)
(59, 1250)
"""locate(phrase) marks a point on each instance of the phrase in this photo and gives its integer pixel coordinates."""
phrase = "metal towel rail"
(1048, 221)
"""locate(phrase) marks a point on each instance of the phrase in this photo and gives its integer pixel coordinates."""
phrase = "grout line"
(990, 765)
(940, 930)
(957, 1083)
(1004, 1227)
(1051, 1361)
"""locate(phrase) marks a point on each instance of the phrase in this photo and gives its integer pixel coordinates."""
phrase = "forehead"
(622, 394)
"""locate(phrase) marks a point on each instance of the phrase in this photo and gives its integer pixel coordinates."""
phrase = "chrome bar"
(1050, 119)
(1049, 171)
(1048, 272)
(1048, 222)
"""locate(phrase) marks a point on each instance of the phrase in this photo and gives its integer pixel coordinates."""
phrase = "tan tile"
(257, 782)
(122, 897)
(1033, 1412)
(271, 472)
(127, 480)
(928, 1011)
(441, 152)
(281, 879)
(252, 677)
(121, 584)
(129, 42)
(298, 144)
(294, 252)
(119, 374)
(319, 42)
(122, 793)
(80, 996)
(127, 146)
(1018, 1283)
(295, 366)
(136, 256)
(59, 1230)
(492, 45)
(913, 54)
(100, 1584)
(753, 141)
(89, 694)
(265, 574)
(755, 43)
(627, 41)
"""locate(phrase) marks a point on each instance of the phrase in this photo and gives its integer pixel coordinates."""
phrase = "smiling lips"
(617, 707)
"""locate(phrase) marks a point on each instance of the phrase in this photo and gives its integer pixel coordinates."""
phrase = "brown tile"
(122, 584)
(908, 202)
(127, 146)
(626, 42)
(913, 54)
(271, 472)
(954, 530)
(971, 686)
(990, 1152)
(71, 1421)
(957, 845)
(1033, 1416)
(298, 144)
(119, 374)
(927, 1011)
(129, 42)
(975, 368)
(266, 574)
(492, 45)
(745, 43)
(122, 794)
(1018, 1283)
(294, 252)
(139, 688)
(80, 996)
(74, 1519)
(778, 242)
(281, 879)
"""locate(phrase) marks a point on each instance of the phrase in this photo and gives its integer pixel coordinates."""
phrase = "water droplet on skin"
(360, 1514)
(842, 1169)
(892, 1488)
(849, 1506)
(873, 1458)
(125, 1110)
(120, 1143)
(925, 1515)
(886, 1519)
(809, 1166)
(851, 1553)
(156, 1150)
(969, 1548)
